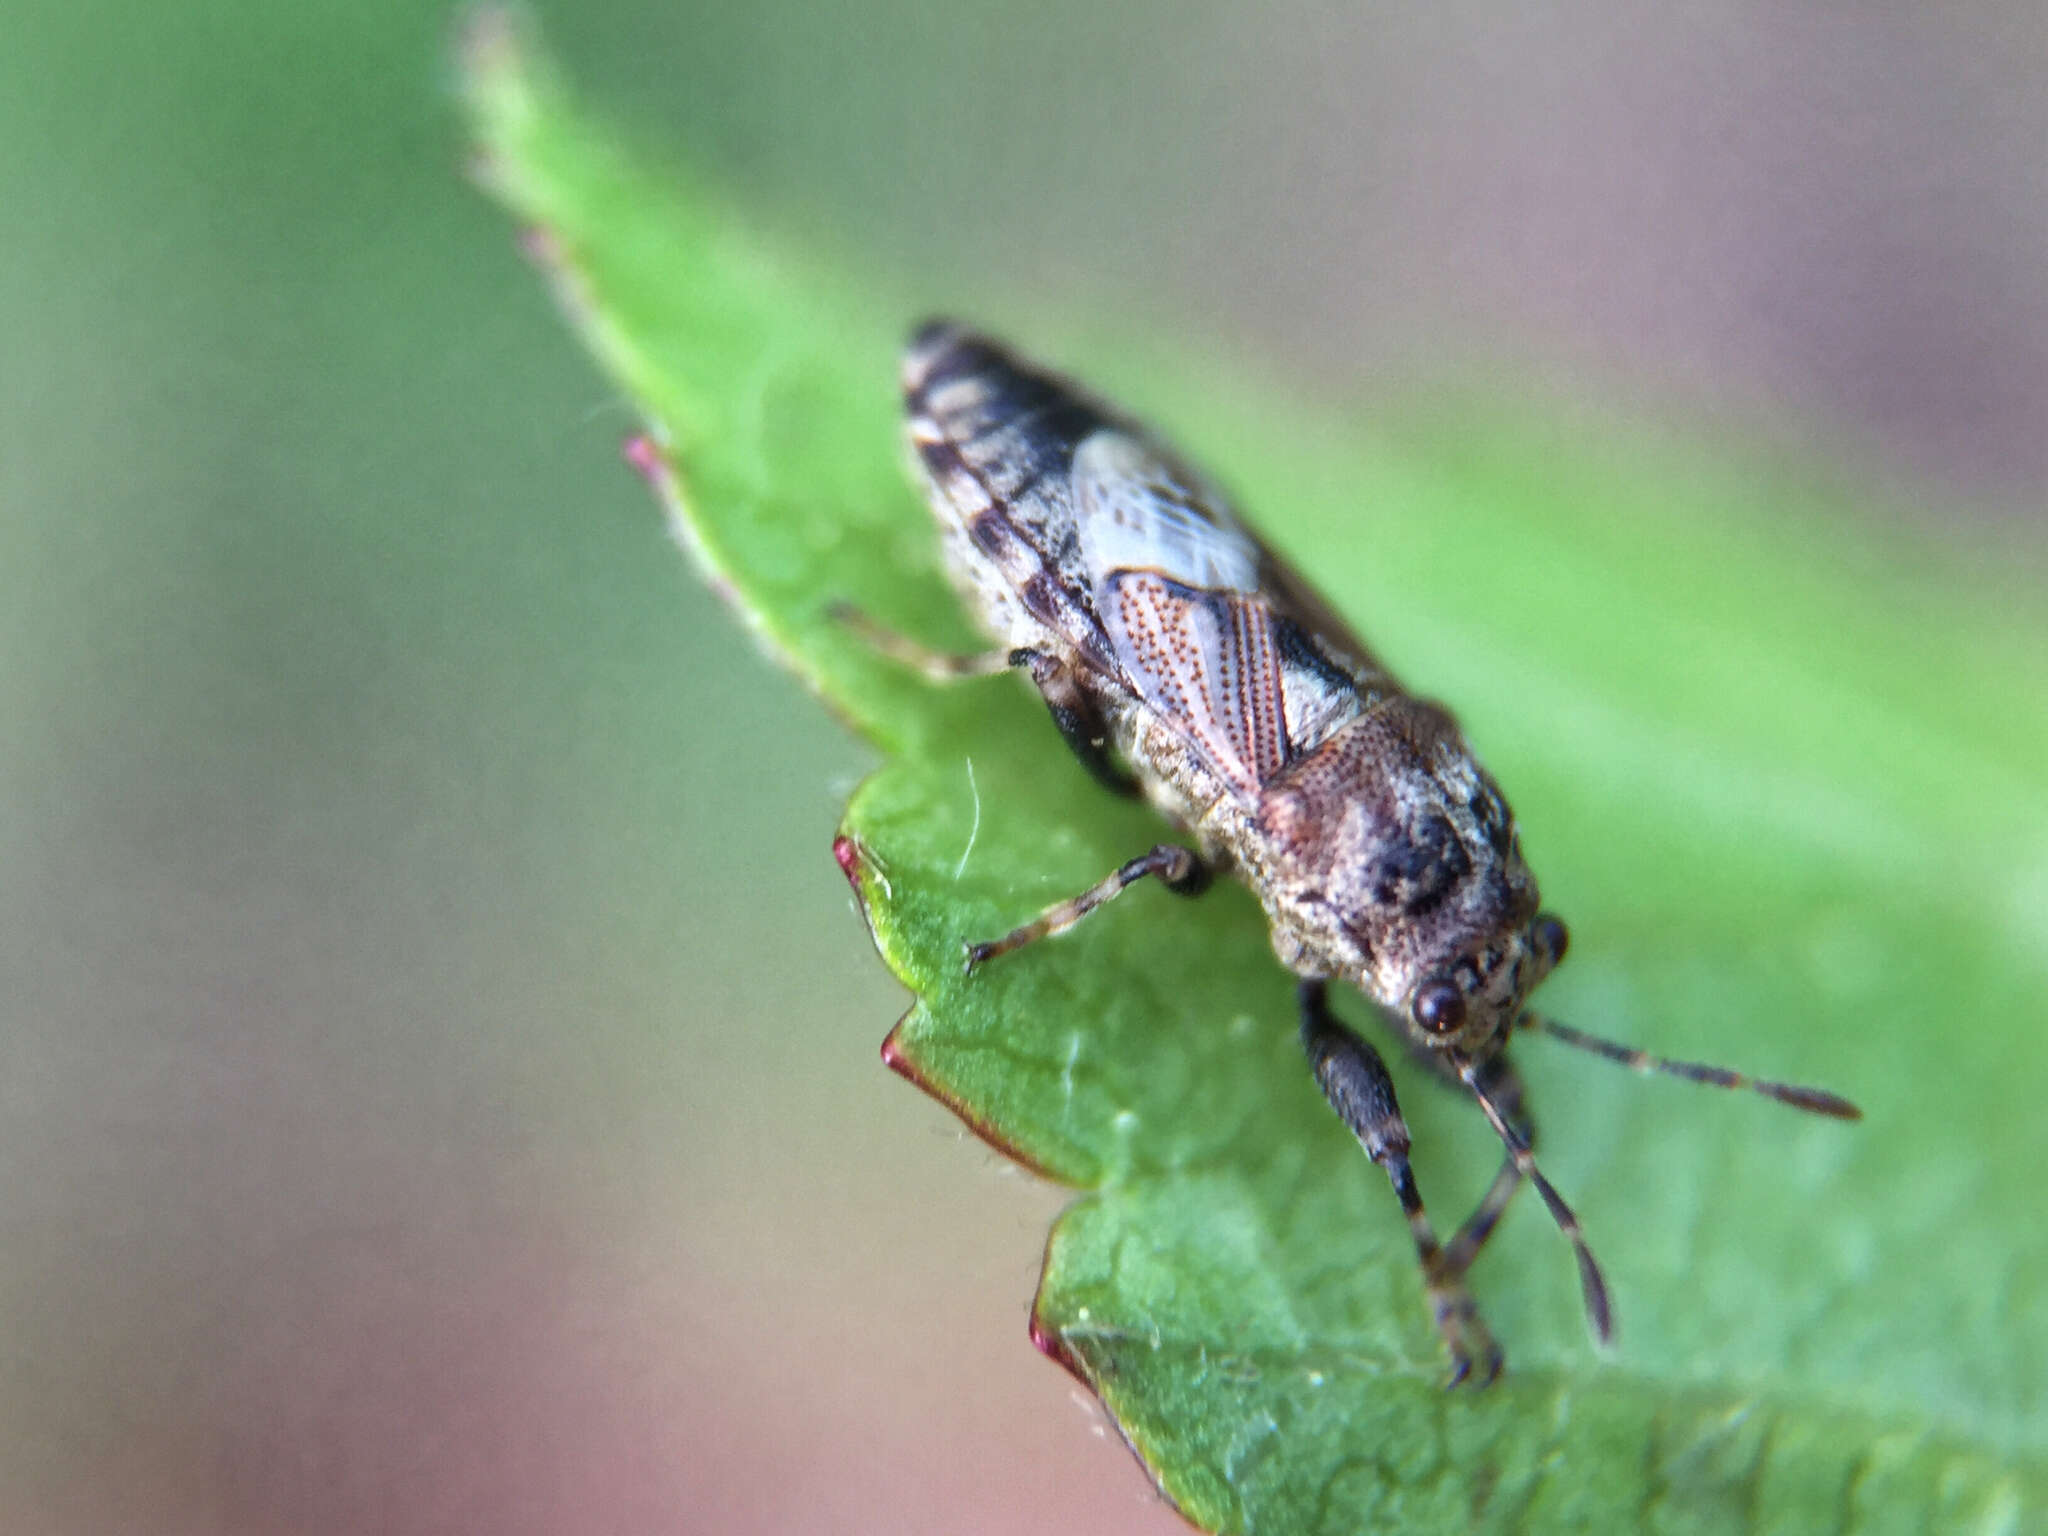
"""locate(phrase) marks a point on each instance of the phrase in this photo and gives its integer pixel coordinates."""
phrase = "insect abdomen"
(983, 426)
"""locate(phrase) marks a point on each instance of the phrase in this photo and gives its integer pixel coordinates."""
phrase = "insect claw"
(1495, 1359)
(1475, 1362)
(1477, 1372)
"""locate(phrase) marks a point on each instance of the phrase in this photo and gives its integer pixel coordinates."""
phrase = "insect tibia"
(1817, 1101)
(1178, 869)
(938, 666)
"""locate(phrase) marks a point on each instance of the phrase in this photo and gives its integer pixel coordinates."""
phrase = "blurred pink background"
(438, 1088)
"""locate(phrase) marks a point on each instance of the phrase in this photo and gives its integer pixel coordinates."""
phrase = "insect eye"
(1549, 936)
(1439, 1006)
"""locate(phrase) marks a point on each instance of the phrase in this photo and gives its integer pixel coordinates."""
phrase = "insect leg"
(1504, 1086)
(1355, 1081)
(1080, 722)
(939, 666)
(1180, 868)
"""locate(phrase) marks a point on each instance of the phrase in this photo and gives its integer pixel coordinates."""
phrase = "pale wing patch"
(1135, 514)
(1207, 664)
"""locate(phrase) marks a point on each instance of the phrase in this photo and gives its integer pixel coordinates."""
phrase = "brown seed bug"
(1183, 661)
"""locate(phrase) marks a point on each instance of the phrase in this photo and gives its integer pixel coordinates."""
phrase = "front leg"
(1181, 869)
(1355, 1081)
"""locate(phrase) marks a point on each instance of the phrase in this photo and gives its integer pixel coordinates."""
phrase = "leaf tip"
(543, 247)
(844, 849)
(853, 863)
(897, 1059)
(1051, 1343)
(651, 464)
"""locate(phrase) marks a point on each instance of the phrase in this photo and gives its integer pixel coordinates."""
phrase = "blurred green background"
(437, 1082)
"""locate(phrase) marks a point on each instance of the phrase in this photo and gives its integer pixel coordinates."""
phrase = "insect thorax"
(1387, 856)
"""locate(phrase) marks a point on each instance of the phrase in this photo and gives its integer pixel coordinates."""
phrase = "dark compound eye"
(1549, 936)
(1491, 814)
(1439, 1006)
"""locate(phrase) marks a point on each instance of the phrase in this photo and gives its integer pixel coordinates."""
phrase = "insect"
(1183, 661)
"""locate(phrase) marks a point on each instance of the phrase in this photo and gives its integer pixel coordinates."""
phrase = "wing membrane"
(1207, 663)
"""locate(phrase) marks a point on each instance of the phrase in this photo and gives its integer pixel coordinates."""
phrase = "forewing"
(1198, 615)
(1207, 664)
(1138, 512)
(1130, 559)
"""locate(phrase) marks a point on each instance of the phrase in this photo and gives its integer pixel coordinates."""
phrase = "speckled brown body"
(1382, 852)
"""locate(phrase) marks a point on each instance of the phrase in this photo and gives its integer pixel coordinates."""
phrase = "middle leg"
(1180, 869)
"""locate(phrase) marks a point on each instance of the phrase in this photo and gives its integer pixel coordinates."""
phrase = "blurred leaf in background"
(411, 1114)
(1226, 1287)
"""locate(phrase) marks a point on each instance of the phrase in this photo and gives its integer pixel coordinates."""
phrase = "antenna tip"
(1819, 1101)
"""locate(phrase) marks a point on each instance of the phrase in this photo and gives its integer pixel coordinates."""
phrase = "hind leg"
(1080, 723)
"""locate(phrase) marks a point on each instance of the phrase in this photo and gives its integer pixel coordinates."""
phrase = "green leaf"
(1789, 787)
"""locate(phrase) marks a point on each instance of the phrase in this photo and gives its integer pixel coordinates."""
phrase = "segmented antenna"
(1816, 1101)
(1591, 1282)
